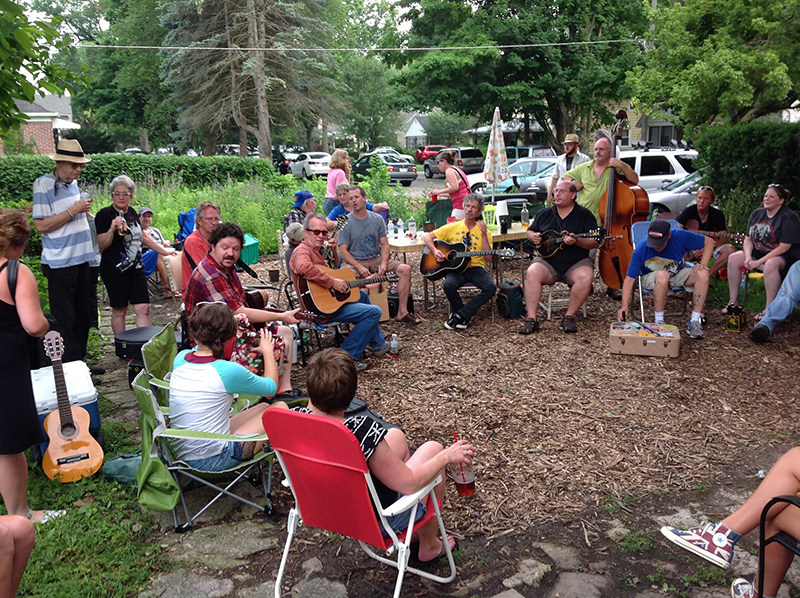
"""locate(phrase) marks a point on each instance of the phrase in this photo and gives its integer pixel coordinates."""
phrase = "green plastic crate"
(250, 249)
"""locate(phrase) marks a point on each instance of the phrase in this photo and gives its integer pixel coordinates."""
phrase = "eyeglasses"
(122, 194)
(212, 219)
(317, 232)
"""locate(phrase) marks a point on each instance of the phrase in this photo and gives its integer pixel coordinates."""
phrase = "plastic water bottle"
(394, 346)
(401, 230)
(412, 227)
(392, 230)
(524, 216)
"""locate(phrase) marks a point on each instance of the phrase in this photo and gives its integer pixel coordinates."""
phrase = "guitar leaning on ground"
(324, 301)
(553, 241)
(72, 453)
(456, 259)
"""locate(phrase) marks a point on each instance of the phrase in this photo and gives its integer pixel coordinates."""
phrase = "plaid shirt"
(212, 282)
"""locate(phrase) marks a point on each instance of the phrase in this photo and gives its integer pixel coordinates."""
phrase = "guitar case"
(394, 303)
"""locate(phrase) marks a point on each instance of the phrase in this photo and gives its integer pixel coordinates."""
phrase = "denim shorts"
(400, 521)
(229, 458)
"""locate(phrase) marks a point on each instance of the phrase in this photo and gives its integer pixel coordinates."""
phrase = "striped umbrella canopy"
(495, 168)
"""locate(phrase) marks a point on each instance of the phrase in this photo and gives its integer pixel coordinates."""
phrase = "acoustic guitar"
(456, 259)
(324, 301)
(72, 453)
(553, 241)
(694, 226)
(255, 300)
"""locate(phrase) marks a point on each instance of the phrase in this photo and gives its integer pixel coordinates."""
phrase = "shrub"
(739, 161)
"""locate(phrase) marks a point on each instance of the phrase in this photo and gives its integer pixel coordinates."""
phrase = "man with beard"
(571, 158)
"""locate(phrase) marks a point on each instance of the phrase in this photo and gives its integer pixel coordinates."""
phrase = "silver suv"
(468, 159)
(659, 167)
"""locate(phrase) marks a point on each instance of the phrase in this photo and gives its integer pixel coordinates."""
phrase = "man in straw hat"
(59, 214)
(571, 158)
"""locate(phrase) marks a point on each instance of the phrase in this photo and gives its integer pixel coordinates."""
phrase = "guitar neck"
(476, 253)
(64, 410)
(362, 282)
(708, 233)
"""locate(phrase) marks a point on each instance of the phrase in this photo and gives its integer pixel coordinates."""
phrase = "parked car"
(310, 164)
(134, 150)
(390, 151)
(659, 167)
(428, 151)
(283, 161)
(400, 171)
(525, 173)
(517, 152)
(468, 159)
(675, 196)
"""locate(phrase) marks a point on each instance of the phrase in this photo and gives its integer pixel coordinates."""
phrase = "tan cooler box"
(653, 340)
(378, 295)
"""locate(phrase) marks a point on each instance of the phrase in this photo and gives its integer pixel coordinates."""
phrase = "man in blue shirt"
(660, 263)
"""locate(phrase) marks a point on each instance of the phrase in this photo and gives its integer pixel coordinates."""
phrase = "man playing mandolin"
(476, 237)
(305, 263)
(563, 235)
(364, 247)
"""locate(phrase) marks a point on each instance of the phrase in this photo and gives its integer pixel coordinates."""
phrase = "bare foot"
(432, 552)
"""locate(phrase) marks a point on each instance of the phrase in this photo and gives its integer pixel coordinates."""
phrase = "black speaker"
(394, 302)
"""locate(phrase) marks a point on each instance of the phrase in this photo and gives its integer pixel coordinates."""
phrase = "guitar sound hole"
(68, 430)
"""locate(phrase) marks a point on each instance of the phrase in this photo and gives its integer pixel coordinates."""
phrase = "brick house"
(47, 116)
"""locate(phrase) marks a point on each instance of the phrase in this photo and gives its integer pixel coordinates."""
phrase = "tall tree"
(26, 64)
(563, 87)
(726, 60)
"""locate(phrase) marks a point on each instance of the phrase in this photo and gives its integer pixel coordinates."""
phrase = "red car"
(428, 151)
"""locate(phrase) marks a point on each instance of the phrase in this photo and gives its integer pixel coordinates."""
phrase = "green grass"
(636, 542)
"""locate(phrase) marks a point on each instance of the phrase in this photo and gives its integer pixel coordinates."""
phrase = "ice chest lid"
(78, 379)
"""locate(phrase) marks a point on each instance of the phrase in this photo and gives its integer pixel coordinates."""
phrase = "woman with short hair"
(456, 186)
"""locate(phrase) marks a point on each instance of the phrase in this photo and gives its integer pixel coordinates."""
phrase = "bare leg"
(660, 290)
(772, 278)
(249, 422)
(581, 280)
(735, 263)
(118, 319)
(285, 365)
(536, 276)
(403, 288)
(16, 543)
(162, 274)
(14, 483)
(721, 260)
(142, 311)
(699, 280)
(429, 545)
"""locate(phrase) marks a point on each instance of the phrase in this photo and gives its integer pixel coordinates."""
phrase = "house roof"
(54, 103)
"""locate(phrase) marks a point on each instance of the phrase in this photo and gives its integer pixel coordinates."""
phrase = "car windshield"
(317, 156)
(471, 153)
(681, 182)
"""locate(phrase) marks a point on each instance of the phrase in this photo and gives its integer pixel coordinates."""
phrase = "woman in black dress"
(20, 315)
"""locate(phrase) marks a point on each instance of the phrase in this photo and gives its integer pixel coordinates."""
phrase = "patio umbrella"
(495, 168)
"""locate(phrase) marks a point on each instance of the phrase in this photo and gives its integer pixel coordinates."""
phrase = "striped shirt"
(71, 244)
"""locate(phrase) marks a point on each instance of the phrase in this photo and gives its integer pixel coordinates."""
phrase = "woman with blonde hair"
(20, 315)
(339, 173)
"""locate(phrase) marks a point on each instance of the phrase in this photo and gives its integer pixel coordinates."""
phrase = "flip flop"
(725, 309)
(409, 318)
(417, 562)
(760, 316)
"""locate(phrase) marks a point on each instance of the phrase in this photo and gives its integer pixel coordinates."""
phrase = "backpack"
(510, 300)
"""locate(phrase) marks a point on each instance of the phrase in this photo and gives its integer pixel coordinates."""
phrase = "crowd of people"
(238, 347)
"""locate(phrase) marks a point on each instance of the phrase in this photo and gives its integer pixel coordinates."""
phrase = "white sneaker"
(741, 588)
(695, 329)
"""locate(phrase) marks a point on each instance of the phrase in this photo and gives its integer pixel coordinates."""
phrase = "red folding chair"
(329, 478)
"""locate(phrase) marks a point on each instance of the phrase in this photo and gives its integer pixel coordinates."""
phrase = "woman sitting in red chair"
(331, 385)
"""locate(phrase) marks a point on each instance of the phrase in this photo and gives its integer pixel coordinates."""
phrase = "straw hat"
(70, 150)
(572, 138)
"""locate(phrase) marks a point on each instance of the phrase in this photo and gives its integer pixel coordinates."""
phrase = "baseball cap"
(658, 234)
(145, 210)
(295, 232)
(301, 197)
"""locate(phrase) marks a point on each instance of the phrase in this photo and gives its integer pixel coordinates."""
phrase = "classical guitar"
(72, 453)
(324, 301)
(456, 259)
(255, 300)
(327, 252)
(694, 225)
(553, 241)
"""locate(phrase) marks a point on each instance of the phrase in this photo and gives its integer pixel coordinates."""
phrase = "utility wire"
(507, 47)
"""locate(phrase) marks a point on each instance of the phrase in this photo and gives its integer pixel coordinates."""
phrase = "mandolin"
(327, 252)
(72, 453)
(456, 259)
(553, 241)
(324, 302)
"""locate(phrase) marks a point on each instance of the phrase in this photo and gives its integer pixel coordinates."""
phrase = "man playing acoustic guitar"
(366, 317)
(476, 237)
(566, 222)
(364, 247)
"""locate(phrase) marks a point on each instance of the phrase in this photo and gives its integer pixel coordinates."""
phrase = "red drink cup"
(464, 478)
(434, 197)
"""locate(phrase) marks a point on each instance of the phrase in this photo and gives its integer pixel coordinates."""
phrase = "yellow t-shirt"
(457, 232)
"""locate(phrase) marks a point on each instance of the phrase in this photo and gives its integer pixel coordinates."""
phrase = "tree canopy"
(720, 61)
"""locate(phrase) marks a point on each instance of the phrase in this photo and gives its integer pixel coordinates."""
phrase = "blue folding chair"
(639, 235)
(185, 225)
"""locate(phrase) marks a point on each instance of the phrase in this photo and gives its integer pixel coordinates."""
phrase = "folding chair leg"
(294, 517)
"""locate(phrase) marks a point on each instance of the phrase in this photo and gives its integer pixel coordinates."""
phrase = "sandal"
(760, 316)
(727, 307)
(530, 325)
(47, 516)
(409, 318)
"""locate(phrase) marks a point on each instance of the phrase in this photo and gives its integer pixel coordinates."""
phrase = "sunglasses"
(317, 232)
(210, 303)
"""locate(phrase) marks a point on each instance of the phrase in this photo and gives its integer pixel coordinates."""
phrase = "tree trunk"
(211, 145)
(243, 151)
(144, 141)
(325, 146)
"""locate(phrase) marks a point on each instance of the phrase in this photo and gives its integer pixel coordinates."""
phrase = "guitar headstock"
(509, 252)
(340, 222)
(53, 345)
(392, 276)
(308, 316)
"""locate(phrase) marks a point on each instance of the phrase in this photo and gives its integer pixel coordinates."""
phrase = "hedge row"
(17, 173)
(740, 161)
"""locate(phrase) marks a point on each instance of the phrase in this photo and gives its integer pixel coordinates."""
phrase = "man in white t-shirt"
(571, 158)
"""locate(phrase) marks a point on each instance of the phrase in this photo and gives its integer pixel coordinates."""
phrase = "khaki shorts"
(588, 262)
(677, 280)
(374, 265)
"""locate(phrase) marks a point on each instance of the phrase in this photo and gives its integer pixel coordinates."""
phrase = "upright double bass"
(621, 206)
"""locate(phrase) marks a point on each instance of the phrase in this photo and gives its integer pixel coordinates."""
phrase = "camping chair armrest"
(159, 383)
(406, 502)
(172, 433)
